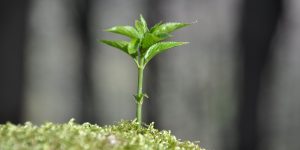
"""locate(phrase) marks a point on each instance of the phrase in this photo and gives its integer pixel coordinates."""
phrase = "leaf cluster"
(145, 43)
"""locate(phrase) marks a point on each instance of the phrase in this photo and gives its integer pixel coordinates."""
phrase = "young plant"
(144, 44)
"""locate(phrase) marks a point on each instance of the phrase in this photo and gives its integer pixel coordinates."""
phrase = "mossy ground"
(125, 135)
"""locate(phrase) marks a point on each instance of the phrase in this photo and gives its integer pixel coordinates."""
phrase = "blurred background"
(234, 87)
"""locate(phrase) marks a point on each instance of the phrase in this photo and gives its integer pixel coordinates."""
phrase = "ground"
(125, 135)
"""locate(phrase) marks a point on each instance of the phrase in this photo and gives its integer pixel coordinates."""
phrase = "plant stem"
(140, 95)
(139, 113)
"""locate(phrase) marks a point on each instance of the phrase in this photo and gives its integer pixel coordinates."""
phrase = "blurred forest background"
(234, 87)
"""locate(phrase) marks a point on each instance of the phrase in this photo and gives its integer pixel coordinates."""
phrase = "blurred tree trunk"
(83, 13)
(13, 21)
(154, 14)
(258, 26)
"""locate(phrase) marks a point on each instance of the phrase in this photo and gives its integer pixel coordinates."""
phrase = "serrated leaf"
(133, 46)
(163, 35)
(169, 27)
(143, 21)
(155, 27)
(159, 48)
(128, 31)
(139, 26)
(119, 44)
(149, 39)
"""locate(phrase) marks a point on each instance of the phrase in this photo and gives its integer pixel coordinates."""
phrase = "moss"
(125, 135)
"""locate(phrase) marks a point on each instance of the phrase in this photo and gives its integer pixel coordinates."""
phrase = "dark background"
(235, 86)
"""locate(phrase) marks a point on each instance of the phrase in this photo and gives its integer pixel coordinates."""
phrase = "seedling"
(144, 44)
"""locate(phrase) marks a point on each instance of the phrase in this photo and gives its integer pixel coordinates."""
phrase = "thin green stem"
(139, 113)
(140, 95)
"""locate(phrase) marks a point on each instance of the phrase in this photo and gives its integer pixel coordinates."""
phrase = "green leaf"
(139, 27)
(155, 27)
(133, 46)
(149, 40)
(169, 27)
(144, 23)
(163, 35)
(159, 48)
(128, 31)
(119, 44)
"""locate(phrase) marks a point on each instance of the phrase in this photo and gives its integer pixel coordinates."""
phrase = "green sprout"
(144, 44)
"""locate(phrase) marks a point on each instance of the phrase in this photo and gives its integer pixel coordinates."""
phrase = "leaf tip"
(141, 17)
(103, 41)
(182, 43)
(187, 24)
(108, 29)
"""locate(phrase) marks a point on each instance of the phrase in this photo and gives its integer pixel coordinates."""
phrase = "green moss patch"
(125, 135)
